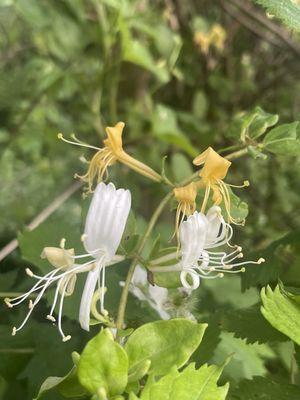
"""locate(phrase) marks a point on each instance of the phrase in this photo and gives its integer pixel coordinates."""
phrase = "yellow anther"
(51, 318)
(29, 272)
(66, 338)
(59, 257)
(7, 302)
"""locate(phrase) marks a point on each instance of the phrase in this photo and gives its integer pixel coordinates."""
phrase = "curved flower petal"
(192, 234)
(106, 220)
(87, 297)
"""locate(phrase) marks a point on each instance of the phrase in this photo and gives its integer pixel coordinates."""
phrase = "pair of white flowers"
(104, 228)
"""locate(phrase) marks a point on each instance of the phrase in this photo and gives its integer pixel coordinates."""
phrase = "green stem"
(124, 295)
(237, 154)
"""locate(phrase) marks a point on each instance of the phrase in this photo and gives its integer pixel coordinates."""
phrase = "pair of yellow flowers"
(213, 172)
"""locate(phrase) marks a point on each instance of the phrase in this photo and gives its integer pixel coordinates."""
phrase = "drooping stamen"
(40, 295)
(17, 300)
(206, 197)
(77, 143)
(64, 337)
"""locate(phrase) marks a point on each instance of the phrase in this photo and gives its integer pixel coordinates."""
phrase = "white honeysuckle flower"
(155, 296)
(104, 228)
(199, 234)
(168, 304)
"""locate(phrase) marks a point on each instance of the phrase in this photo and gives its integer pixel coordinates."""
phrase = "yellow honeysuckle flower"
(215, 36)
(186, 197)
(214, 170)
(111, 152)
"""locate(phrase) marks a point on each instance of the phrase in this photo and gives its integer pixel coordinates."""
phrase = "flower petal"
(106, 220)
(87, 297)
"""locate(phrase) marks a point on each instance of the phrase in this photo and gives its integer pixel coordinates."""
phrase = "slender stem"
(237, 154)
(16, 294)
(124, 295)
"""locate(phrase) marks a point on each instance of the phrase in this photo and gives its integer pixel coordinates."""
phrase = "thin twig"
(248, 23)
(41, 217)
(279, 31)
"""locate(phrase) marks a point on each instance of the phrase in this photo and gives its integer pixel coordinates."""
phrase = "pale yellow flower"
(213, 172)
(215, 36)
(110, 153)
(186, 197)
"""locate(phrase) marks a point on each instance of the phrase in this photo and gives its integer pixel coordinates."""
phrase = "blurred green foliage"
(79, 65)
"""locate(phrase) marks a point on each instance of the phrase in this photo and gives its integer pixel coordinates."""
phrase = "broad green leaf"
(260, 388)
(281, 312)
(165, 343)
(133, 396)
(238, 208)
(275, 263)
(247, 361)
(103, 364)
(252, 124)
(67, 385)
(190, 384)
(165, 127)
(49, 234)
(140, 372)
(209, 343)
(249, 324)
(181, 167)
(287, 11)
(283, 140)
(200, 105)
(138, 54)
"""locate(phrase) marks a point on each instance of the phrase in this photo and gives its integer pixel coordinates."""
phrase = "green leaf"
(67, 385)
(252, 124)
(283, 140)
(165, 343)
(238, 208)
(275, 263)
(181, 167)
(249, 324)
(138, 54)
(165, 127)
(285, 10)
(190, 384)
(281, 312)
(209, 343)
(103, 365)
(247, 361)
(200, 105)
(133, 396)
(260, 388)
(140, 372)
